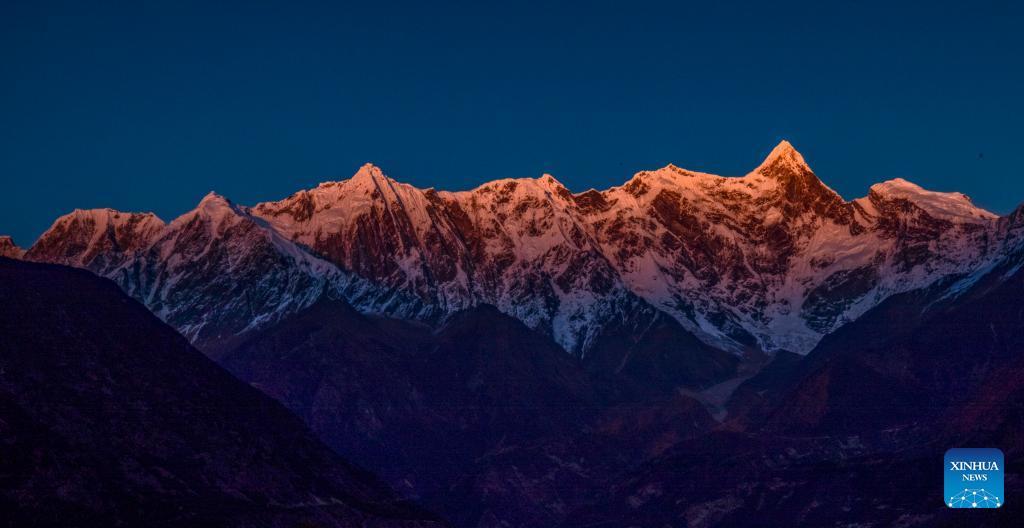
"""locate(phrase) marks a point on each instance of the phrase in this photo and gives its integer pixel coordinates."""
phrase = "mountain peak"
(947, 205)
(213, 196)
(213, 207)
(99, 219)
(369, 171)
(549, 180)
(102, 212)
(9, 249)
(782, 160)
(368, 177)
(214, 200)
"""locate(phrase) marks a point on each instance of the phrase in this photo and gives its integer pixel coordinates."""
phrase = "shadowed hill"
(109, 417)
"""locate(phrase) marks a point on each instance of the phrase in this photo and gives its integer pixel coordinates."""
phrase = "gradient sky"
(148, 105)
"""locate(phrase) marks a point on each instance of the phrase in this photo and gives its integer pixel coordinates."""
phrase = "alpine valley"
(684, 349)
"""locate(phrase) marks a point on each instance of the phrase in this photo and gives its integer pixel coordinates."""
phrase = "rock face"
(110, 418)
(770, 261)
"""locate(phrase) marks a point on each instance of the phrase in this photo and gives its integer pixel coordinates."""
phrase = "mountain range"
(770, 261)
(522, 355)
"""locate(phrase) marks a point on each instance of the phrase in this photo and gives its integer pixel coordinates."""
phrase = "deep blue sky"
(149, 105)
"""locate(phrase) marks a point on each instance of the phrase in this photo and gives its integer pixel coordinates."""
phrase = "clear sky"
(147, 105)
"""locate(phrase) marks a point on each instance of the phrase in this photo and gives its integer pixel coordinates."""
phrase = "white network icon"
(974, 498)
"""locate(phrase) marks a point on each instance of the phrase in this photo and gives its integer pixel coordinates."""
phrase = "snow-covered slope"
(776, 257)
(768, 261)
(516, 244)
(97, 239)
(771, 260)
(214, 273)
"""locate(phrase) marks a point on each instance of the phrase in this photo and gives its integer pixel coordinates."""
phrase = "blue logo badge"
(974, 478)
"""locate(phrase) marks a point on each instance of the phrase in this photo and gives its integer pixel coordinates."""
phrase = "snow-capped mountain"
(771, 260)
(97, 239)
(776, 257)
(520, 245)
(213, 273)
